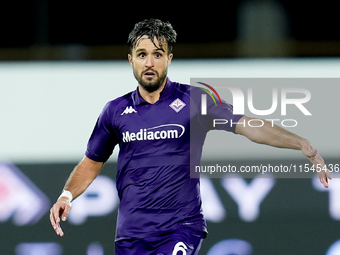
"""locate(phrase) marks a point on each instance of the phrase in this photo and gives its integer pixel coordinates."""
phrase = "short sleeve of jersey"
(222, 117)
(103, 138)
(219, 114)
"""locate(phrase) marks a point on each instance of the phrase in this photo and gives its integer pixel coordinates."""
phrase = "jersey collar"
(164, 94)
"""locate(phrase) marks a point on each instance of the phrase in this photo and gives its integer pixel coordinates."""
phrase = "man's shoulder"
(185, 88)
(119, 103)
(189, 90)
(125, 98)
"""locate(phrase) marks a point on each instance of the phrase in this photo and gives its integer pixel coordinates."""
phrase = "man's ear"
(170, 58)
(130, 59)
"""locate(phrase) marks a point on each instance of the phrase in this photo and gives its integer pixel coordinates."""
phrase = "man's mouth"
(149, 74)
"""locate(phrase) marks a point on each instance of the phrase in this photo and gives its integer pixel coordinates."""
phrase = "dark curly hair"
(152, 28)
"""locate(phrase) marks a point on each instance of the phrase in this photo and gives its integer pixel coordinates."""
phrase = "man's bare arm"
(276, 136)
(80, 178)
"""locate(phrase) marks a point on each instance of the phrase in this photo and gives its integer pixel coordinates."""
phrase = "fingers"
(55, 220)
(324, 176)
(59, 210)
(324, 182)
(59, 231)
(318, 162)
(329, 175)
(66, 212)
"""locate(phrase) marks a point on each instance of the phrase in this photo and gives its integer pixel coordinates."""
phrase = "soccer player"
(160, 205)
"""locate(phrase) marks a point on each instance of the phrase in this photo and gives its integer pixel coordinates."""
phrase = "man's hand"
(59, 210)
(80, 178)
(314, 157)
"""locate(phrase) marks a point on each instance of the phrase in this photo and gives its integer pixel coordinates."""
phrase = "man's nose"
(149, 62)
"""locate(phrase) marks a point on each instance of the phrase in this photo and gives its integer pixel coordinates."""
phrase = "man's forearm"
(270, 134)
(82, 176)
(276, 136)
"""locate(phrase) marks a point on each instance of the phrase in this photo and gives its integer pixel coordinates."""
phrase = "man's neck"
(152, 97)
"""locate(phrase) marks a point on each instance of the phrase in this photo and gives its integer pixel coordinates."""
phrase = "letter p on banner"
(99, 199)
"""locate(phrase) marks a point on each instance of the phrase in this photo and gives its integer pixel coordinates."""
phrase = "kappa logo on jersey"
(177, 105)
(128, 110)
(166, 131)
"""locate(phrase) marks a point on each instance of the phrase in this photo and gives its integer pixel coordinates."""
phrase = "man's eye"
(158, 55)
(141, 55)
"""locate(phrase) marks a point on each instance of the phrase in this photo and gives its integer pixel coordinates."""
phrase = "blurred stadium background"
(61, 61)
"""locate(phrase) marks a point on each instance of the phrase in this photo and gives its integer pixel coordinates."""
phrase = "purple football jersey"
(153, 181)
